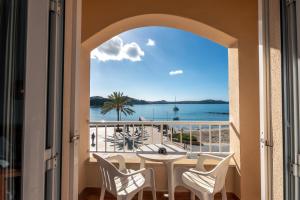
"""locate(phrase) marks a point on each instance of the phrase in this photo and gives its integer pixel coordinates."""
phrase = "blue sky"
(160, 63)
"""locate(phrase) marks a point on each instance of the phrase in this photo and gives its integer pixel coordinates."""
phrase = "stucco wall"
(84, 112)
(237, 20)
(276, 99)
(233, 77)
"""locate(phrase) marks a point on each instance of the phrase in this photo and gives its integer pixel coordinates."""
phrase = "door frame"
(35, 104)
(298, 28)
(266, 143)
(70, 143)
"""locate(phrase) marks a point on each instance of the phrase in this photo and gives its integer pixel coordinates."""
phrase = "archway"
(173, 21)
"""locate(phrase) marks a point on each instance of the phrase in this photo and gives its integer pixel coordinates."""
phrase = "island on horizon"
(96, 101)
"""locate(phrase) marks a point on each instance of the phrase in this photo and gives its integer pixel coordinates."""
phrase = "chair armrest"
(133, 173)
(210, 156)
(201, 172)
(120, 159)
(203, 157)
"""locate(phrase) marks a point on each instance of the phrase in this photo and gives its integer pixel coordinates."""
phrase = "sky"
(160, 63)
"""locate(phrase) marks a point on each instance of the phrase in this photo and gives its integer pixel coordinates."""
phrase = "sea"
(164, 112)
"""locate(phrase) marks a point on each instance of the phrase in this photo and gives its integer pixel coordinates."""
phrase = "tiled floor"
(93, 194)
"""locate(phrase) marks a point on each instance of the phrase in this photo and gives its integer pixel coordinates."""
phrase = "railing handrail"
(159, 123)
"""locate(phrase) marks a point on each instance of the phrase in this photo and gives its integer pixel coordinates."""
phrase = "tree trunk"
(118, 114)
(118, 118)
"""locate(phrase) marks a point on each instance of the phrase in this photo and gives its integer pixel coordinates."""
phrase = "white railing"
(127, 136)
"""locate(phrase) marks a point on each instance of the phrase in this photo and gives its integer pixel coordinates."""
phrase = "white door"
(71, 88)
(43, 100)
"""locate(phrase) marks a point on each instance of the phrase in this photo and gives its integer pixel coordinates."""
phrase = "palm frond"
(117, 101)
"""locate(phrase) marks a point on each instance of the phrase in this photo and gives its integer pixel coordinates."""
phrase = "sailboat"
(175, 110)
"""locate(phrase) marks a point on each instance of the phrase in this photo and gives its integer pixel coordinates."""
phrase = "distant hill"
(98, 101)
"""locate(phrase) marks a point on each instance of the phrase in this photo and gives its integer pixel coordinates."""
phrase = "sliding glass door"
(54, 101)
(31, 71)
(12, 68)
(291, 91)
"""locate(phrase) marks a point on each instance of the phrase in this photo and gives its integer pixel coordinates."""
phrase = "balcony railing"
(194, 136)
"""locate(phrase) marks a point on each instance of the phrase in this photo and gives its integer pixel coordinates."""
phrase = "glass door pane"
(291, 101)
(12, 67)
(54, 99)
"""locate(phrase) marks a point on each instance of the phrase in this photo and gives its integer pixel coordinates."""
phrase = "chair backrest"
(220, 172)
(108, 171)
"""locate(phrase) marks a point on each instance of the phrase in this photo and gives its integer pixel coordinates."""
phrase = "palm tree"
(117, 101)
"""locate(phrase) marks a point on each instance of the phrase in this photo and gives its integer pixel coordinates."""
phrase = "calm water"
(187, 112)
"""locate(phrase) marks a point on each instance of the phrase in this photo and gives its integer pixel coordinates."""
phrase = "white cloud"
(175, 72)
(150, 42)
(115, 49)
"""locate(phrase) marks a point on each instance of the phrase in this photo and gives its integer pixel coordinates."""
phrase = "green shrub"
(186, 137)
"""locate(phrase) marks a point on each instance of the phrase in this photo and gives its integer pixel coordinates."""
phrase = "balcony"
(125, 138)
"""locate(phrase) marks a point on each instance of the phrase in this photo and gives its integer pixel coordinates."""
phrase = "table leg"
(170, 169)
(142, 165)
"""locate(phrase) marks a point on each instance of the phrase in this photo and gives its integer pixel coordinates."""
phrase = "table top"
(150, 152)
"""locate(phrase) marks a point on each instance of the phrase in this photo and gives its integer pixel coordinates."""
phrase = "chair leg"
(154, 193)
(140, 195)
(206, 198)
(192, 195)
(224, 196)
(102, 192)
(153, 185)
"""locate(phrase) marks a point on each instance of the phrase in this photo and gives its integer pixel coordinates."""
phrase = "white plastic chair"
(124, 183)
(202, 183)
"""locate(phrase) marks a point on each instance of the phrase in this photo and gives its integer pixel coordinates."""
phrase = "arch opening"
(177, 22)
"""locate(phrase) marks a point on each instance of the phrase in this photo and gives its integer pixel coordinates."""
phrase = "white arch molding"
(172, 21)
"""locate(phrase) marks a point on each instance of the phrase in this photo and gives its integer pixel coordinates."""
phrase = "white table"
(150, 153)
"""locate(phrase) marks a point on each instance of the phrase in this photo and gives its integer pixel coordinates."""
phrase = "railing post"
(162, 134)
(133, 134)
(209, 138)
(105, 138)
(142, 134)
(152, 134)
(191, 138)
(220, 138)
(172, 135)
(115, 138)
(96, 137)
(228, 126)
(200, 137)
(181, 132)
(124, 138)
